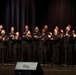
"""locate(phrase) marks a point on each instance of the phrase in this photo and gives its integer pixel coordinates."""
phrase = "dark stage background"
(18, 13)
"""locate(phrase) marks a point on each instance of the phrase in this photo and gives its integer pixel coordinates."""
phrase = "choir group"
(57, 47)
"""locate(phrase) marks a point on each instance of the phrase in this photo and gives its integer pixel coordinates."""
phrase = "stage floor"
(9, 69)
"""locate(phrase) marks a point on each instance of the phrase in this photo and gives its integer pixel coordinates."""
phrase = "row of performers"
(45, 47)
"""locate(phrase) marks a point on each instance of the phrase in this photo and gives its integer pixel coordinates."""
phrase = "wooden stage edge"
(9, 69)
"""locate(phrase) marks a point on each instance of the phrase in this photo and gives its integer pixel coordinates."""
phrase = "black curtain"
(56, 12)
(18, 13)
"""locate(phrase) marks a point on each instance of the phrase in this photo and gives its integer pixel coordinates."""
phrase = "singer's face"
(55, 30)
(45, 27)
(43, 30)
(57, 27)
(1, 27)
(26, 27)
(3, 32)
(17, 33)
(12, 29)
(68, 28)
(73, 31)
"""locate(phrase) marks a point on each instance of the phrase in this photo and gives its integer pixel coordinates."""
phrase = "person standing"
(36, 44)
(74, 47)
(11, 43)
(56, 47)
(17, 48)
(62, 48)
(4, 46)
(28, 46)
(68, 46)
(50, 48)
(43, 38)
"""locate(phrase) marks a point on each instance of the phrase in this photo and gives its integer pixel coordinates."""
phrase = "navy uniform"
(36, 46)
(23, 47)
(50, 48)
(4, 45)
(28, 46)
(43, 47)
(17, 49)
(74, 47)
(56, 48)
(11, 42)
(62, 47)
(68, 47)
